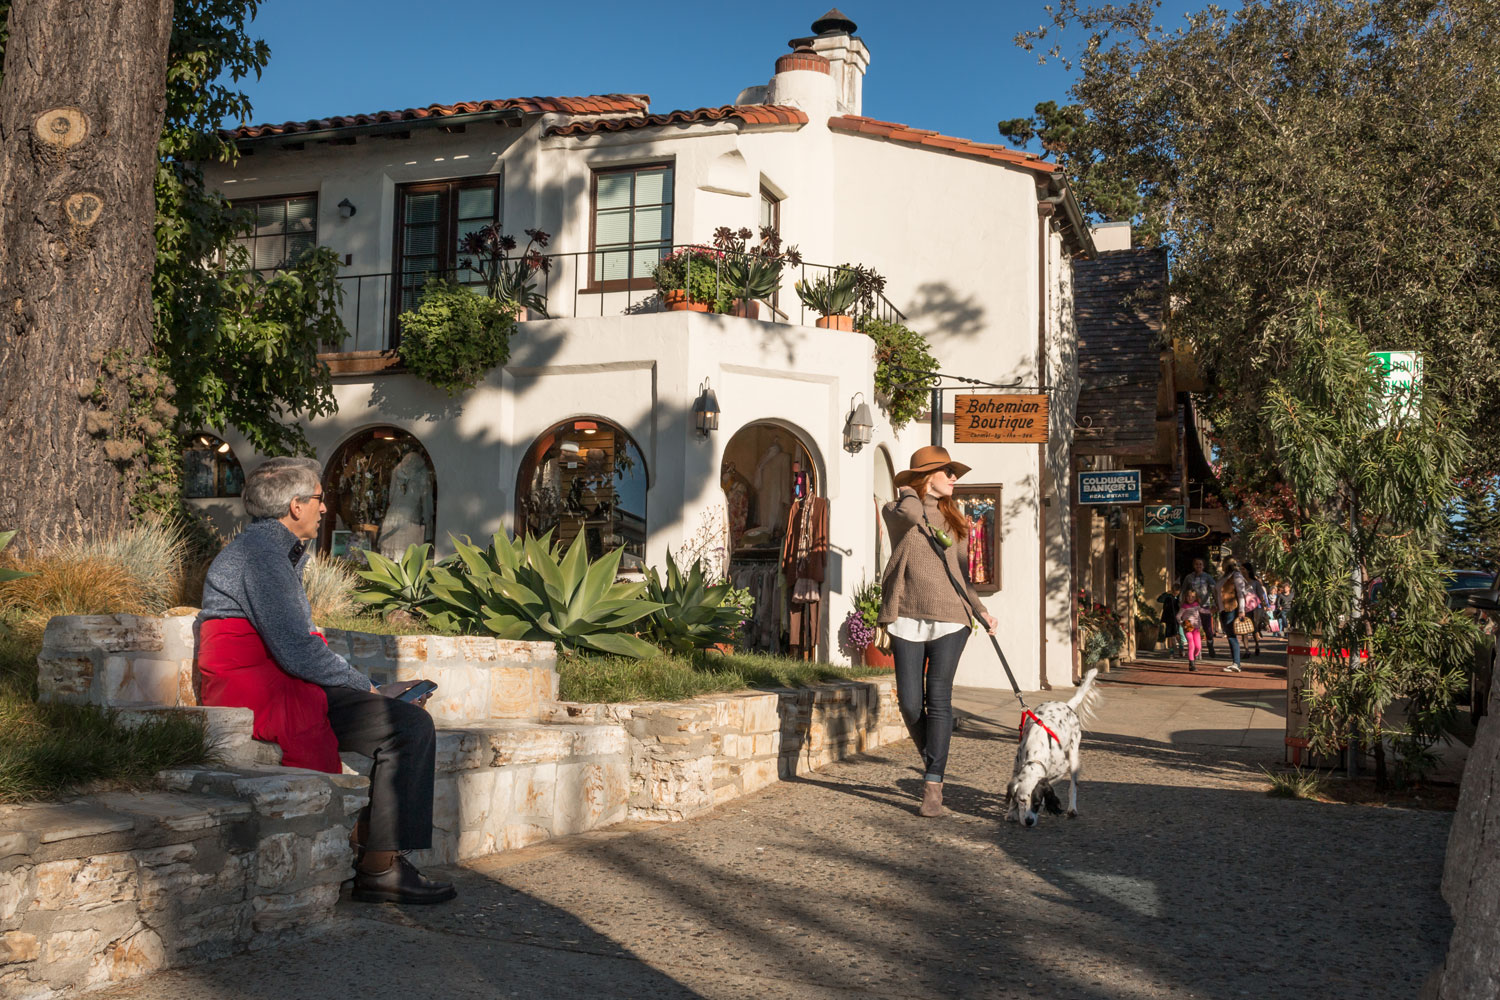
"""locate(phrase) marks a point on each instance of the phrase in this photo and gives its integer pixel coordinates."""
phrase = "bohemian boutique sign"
(1116, 486)
(1002, 419)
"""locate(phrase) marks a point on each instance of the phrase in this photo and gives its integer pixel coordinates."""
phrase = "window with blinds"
(434, 219)
(632, 225)
(280, 230)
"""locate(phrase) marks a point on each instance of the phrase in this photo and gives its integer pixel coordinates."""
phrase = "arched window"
(209, 469)
(586, 476)
(381, 493)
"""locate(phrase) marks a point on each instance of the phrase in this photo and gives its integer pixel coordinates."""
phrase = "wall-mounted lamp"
(858, 425)
(346, 209)
(706, 409)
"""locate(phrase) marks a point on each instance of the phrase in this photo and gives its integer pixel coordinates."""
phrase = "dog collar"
(1021, 730)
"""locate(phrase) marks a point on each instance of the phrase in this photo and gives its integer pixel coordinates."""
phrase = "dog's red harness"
(1021, 729)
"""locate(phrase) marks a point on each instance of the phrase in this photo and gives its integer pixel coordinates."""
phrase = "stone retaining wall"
(117, 885)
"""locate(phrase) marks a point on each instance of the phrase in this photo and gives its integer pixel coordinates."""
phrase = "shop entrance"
(766, 475)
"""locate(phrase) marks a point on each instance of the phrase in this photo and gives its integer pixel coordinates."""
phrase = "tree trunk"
(81, 108)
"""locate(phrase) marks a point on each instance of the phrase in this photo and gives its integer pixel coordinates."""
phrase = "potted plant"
(506, 278)
(863, 627)
(689, 278)
(830, 296)
(752, 273)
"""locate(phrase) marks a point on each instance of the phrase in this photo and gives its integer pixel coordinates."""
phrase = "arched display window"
(209, 469)
(381, 493)
(766, 474)
(586, 477)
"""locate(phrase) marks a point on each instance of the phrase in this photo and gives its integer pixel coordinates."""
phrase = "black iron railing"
(599, 283)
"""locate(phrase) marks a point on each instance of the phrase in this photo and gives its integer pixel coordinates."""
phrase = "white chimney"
(803, 80)
(848, 58)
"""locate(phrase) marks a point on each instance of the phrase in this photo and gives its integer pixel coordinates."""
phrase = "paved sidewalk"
(1181, 879)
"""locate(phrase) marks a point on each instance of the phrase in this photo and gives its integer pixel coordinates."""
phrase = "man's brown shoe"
(400, 883)
(932, 799)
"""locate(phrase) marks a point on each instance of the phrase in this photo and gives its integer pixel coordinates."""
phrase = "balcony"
(575, 285)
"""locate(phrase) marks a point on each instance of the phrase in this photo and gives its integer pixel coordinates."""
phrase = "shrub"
(455, 336)
(696, 270)
(899, 352)
(1103, 636)
(330, 586)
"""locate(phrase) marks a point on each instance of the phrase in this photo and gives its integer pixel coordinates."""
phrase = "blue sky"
(951, 67)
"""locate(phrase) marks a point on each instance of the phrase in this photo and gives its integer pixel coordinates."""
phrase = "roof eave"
(507, 115)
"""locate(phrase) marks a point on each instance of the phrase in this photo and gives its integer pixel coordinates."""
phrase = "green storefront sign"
(1164, 519)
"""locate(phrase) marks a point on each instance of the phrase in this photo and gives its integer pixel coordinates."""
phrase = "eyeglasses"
(315, 498)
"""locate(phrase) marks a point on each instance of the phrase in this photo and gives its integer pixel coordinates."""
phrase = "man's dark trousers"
(399, 737)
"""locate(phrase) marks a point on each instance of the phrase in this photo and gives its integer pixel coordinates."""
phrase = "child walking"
(1190, 617)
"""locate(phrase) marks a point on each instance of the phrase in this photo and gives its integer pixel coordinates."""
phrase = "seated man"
(259, 649)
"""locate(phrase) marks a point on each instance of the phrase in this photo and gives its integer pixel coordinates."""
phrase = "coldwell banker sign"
(1000, 419)
(1116, 486)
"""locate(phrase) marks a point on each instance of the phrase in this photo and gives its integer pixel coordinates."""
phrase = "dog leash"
(964, 596)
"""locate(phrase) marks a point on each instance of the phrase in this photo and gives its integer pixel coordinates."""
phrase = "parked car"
(1486, 604)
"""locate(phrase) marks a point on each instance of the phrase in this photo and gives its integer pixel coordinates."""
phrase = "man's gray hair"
(275, 483)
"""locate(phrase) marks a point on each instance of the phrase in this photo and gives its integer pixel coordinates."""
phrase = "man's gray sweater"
(258, 576)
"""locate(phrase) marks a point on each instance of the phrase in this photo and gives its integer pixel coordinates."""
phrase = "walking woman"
(927, 605)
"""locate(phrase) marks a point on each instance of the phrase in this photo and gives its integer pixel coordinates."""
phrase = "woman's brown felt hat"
(925, 460)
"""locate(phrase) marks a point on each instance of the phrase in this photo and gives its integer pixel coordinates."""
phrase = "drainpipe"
(1046, 206)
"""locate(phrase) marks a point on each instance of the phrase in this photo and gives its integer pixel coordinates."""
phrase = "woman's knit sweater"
(914, 584)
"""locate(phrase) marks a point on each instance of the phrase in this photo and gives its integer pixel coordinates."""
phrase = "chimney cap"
(835, 22)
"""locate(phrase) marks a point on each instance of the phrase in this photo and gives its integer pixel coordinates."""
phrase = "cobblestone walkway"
(1180, 879)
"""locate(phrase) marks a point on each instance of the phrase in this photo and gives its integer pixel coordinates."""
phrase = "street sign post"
(995, 419)
(1117, 486)
(1401, 374)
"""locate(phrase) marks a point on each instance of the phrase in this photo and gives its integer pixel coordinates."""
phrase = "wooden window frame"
(250, 203)
(993, 585)
(447, 237)
(771, 196)
(624, 284)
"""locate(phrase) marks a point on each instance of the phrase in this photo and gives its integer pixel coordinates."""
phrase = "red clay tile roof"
(745, 114)
(605, 104)
(859, 125)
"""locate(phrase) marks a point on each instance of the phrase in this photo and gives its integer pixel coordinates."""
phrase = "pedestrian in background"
(1230, 593)
(1171, 629)
(1190, 620)
(1202, 584)
(1257, 601)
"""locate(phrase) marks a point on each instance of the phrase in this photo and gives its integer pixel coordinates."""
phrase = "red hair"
(947, 506)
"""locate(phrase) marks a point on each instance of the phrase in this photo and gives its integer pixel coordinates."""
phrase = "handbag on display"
(1243, 626)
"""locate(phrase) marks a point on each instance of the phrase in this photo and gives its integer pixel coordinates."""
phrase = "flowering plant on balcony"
(753, 272)
(508, 278)
(694, 271)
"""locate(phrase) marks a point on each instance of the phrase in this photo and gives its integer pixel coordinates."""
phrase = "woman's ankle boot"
(932, 799)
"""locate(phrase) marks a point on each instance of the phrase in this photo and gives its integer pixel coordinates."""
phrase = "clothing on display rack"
(773, 487)
(762, 580)
(737, 499)
(804, 564)
(981, 515)
(408, 514)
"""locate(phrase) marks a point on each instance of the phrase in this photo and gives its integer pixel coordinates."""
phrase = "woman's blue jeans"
(927, 701)
(1226, 619)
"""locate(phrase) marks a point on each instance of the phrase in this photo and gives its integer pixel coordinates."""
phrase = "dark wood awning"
(1124, 364)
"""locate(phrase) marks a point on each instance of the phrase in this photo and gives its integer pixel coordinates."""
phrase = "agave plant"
(520, 589)
(830, 294)
(397, 586)
(693, 614)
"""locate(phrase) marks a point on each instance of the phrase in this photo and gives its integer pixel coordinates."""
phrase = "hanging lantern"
(859, 425)
(706, 410)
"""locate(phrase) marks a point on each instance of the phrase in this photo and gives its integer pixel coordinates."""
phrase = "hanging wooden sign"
(1000, 419)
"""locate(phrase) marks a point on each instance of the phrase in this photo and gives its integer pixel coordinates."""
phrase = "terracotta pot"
(871, 656)
(836, 322)
(677, 301)
(522, 314)
(749, 310)
(724, 648)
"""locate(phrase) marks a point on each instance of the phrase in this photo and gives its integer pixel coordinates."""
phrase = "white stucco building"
(974, 241)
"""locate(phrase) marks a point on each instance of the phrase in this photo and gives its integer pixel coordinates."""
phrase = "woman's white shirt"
(922, 629)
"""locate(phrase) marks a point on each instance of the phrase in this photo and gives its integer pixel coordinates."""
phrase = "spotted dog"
(1050, 736)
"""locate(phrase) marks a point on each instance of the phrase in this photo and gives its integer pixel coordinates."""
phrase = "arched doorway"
(381, 493)
(885, 492)
(586, 476)
(767, 471)
(209, 468)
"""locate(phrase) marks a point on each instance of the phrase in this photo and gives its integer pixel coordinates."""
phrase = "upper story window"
(433, 219)
(632, 224)
(770, 209)
(280, 229)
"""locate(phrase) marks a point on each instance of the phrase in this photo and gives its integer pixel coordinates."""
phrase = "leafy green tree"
(1474, 525)
(240, 347)
(1346, 145)
(1357, 537)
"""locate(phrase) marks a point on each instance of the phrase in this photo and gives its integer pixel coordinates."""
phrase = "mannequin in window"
(773, 487)
(737, 499)
(409, 512)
